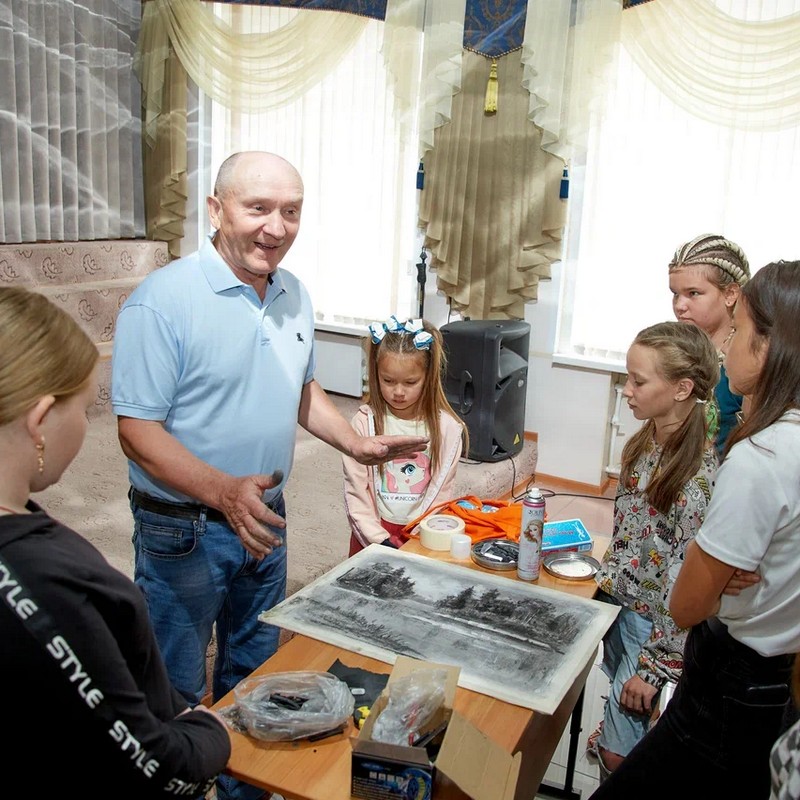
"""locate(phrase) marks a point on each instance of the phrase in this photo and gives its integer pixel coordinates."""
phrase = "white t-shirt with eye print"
(401, 488)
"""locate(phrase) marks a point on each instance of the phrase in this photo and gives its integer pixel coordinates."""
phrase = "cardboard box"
(568, 534)
(479, 766)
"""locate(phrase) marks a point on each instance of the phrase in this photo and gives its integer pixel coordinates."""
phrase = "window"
(357, 243)
(654, 177)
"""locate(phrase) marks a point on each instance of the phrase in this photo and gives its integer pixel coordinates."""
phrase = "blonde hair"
(43, 351)
(683, 351)
(432, 401)
(725, 261)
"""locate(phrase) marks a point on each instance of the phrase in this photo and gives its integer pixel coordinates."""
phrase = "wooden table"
(321, 770)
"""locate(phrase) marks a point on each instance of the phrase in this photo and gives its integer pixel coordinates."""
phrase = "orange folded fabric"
(483, 519)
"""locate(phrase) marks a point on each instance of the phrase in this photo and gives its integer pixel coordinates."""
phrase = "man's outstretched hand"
(370, 450)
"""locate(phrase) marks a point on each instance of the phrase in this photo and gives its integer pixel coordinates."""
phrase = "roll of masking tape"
(435, 531)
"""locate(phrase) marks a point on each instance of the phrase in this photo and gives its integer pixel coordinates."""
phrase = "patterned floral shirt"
(646, 552)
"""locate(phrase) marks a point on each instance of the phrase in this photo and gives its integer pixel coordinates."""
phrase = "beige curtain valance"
(490, 208)
(247, 72)
(728, 70)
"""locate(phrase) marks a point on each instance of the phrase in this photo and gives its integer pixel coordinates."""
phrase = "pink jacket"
(360, 481)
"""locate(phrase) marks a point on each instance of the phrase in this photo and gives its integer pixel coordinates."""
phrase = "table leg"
(567, 792)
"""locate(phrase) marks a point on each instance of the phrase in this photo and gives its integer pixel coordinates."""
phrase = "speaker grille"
(486, 383)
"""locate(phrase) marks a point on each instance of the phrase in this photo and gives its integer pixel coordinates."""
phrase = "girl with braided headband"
(706, 275)
(715, 736)
(405, 368)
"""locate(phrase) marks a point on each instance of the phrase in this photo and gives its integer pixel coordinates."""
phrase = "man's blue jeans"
(196, 574)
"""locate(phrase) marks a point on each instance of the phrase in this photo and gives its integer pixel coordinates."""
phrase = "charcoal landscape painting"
(517, 642)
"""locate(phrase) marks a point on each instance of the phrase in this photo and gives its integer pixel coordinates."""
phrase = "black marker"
(315, 737)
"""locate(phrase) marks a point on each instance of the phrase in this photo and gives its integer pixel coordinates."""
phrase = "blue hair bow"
(422, 339)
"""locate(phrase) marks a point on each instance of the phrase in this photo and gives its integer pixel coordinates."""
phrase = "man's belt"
(176, 510)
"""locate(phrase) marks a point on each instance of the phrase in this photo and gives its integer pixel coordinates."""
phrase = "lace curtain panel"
(70, 147)
(490, 208)
(568, 56)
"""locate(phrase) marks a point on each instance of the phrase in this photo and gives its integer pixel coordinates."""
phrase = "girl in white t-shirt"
(715, 736)
(405, 367)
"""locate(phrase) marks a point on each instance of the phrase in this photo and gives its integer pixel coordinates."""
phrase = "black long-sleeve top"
(86, 697)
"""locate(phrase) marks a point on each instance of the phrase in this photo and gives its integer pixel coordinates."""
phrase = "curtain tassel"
(490, 103)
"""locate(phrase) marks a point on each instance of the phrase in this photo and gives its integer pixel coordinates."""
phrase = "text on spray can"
(530, 536)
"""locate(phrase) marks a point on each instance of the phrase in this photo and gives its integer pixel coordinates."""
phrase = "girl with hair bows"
(665, 484)
(405, 367)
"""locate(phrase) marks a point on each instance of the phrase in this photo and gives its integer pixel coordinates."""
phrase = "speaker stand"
(421, 278)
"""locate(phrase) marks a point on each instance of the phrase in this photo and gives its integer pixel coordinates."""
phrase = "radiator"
(340, 366)
(623, 425)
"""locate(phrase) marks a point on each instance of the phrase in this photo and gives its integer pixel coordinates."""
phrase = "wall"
(570, 407)
(339, 361)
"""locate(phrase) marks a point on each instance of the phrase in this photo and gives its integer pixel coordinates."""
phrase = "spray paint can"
(530, 536)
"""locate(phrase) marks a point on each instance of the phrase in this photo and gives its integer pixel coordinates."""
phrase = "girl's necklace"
(720, 354)
(726, 339)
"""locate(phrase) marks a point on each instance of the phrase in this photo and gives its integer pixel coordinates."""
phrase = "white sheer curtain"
(357, 243)
(567, 54)
(656, 174)
(350, 137)
(424, 70)
(234, 60)
(70, 154)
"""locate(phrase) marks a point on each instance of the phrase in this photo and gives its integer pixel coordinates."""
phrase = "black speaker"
(486, 383)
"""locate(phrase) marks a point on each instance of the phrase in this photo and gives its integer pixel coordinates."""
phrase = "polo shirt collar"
(221, 277)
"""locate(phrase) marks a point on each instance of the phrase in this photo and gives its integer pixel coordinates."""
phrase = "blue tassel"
(564, 191)
(420, 176)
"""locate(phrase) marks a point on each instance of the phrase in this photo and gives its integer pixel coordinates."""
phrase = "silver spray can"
(530, 536)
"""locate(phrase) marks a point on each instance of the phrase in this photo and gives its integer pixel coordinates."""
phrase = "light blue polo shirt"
(196, 348)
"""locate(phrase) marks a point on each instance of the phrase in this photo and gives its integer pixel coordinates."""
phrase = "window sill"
(590, 362)
(345, 328)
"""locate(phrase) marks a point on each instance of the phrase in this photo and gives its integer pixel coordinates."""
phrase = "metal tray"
(571, 566)
(499, 554)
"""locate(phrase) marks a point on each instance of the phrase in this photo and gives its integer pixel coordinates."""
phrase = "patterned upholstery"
(90, 280)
